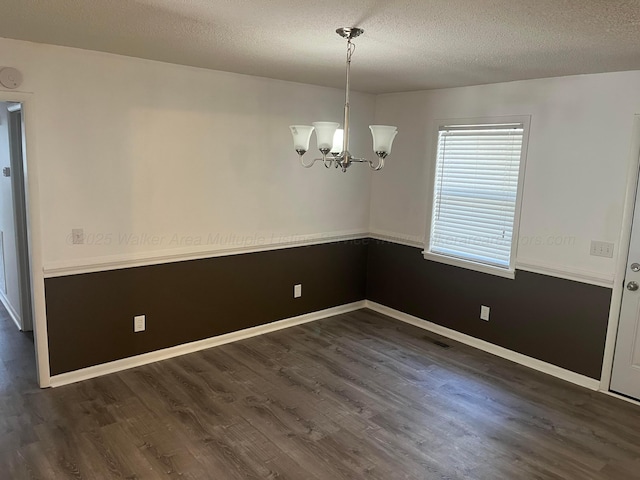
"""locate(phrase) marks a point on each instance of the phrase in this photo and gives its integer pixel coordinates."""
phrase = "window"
(476, 199)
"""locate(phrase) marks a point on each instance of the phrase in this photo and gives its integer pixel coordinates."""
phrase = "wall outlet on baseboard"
(139, 323)
(602, 249)
(297, 290)
(484, 313)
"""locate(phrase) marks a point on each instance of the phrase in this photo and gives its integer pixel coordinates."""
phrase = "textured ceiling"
(407, 45)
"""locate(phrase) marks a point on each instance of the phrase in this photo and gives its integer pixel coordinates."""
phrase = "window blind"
(475, 194)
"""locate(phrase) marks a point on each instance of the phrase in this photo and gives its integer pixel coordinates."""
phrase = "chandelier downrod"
(345, 144)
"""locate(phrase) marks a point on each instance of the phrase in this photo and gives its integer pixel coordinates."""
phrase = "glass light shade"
(324, 133)
(301, 136)
(383, 136)
(338, 141)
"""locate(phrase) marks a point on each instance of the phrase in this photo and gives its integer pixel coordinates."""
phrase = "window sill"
(478, 267)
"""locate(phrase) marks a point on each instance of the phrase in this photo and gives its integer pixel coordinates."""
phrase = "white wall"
(575, 179)
(11, 296)
(152, 158)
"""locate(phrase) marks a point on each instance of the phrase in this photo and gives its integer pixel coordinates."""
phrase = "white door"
(625, 378)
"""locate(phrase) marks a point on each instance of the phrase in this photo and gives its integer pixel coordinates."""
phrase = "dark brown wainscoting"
(558, 321)
(90, 316)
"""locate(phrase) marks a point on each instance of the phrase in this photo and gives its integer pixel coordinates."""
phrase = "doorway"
(16, 142)
(15, 277)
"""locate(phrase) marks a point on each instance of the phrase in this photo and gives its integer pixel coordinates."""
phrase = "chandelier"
(332, 141)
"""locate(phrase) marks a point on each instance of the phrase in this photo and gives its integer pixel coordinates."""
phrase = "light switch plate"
(77, 236)
(602, 249)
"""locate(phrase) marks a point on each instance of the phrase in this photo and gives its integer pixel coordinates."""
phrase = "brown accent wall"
(90, 316)
(558, 321)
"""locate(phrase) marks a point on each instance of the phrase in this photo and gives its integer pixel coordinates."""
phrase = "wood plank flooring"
(357, 396)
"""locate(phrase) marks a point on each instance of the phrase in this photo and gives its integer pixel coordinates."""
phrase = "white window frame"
(509, 272)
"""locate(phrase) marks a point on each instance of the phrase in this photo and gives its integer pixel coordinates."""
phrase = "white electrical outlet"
(602, 249)
(484, 313)
(77, 236)
(139, 323)
(297, 290)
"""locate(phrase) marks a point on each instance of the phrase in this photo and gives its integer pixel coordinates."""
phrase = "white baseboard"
(621, 397)
(156, 356)
(12, 313)
(516, 357)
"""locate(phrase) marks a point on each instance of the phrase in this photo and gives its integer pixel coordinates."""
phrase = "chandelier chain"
(351, 47)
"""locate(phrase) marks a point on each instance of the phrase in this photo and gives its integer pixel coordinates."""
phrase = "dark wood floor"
(354, 396)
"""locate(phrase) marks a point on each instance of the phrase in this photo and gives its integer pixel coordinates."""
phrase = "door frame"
(16, 135)
(34, 234)
(633, 172)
